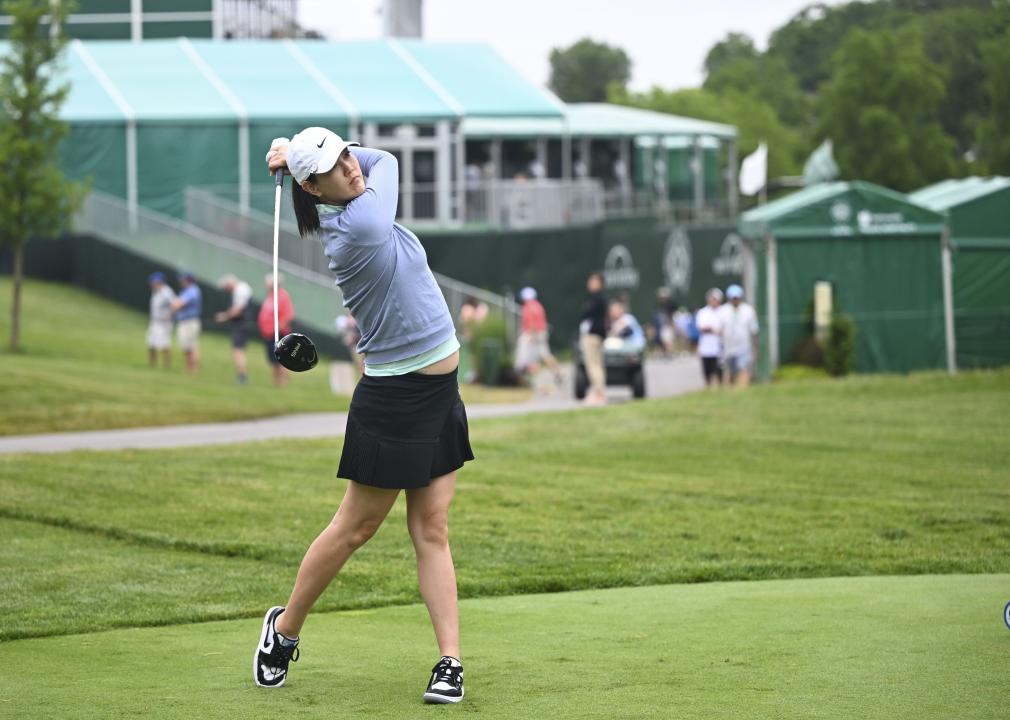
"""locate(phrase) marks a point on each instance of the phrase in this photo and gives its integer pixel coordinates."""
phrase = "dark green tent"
(979, 215)
(883, 256)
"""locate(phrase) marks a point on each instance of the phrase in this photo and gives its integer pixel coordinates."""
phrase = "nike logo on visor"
(321, 143)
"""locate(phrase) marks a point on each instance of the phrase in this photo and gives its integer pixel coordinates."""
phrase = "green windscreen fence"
(890, 286)
(982, 304)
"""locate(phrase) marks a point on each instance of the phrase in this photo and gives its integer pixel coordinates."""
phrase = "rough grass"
(864, 476)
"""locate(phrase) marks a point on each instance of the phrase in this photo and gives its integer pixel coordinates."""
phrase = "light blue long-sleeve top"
(382, 269)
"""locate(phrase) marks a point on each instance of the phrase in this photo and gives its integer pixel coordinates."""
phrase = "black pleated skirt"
(404, 431)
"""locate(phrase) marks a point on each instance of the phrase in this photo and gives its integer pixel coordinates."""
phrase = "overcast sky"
(666, 39)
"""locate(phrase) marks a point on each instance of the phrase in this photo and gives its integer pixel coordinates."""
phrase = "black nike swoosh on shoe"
(321, 143)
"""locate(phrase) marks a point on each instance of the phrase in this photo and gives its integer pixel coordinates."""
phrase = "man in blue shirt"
(188, 307)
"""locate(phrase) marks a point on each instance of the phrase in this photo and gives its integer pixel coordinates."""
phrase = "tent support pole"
(732, 188)
(772, 274)
(698, 163)
(948, 301)
(243, 163)
(131, 171)
(443, 172)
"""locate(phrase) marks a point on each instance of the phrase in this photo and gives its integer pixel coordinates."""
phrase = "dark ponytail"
(304, 204)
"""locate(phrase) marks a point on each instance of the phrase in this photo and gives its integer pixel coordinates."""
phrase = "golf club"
(294, 351)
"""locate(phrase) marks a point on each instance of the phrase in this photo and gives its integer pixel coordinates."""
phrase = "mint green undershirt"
(413, 364)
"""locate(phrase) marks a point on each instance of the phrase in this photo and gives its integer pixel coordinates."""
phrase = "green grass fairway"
(878, 647)
(880, 476)
(84, 367)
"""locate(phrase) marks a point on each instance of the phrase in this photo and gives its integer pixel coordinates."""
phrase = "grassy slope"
(864, 476)
(84, 367)
(909, 647)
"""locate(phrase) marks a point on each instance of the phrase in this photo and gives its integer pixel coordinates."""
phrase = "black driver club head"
(296, 352)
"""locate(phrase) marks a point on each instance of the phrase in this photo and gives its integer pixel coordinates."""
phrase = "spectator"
(662, 330)
(265, 321)
(684, 331)
(623, 325)
(533, 344)
(471, 314)
(709, 321)
(237, 316)
(159, 331)
(592, 331)
(188, 307)
(347, 328)
(739, 336)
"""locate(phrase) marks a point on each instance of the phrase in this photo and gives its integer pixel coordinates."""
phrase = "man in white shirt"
(239, 318)
(739, 336)
(709, 323)
(159, 331)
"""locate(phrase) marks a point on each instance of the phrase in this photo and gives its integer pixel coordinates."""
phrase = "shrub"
(490, 366)
(840, 347)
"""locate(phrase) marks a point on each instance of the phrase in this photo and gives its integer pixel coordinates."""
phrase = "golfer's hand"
(277, 157)
(221, 316)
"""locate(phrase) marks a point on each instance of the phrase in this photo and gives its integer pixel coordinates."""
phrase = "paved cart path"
(664, 378)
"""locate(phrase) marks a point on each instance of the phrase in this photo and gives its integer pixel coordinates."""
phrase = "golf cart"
(623, 360)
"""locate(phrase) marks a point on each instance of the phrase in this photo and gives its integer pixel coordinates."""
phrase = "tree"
(36, 200)
(584, 71)
(735, 47)
(880, 109)
(994, 131)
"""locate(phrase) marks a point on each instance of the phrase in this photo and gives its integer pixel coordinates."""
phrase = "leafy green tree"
(735, 47)
(880, 109)
(36, 200)
(768, 80)
(584, 71)
(807, 42)
(953, 39)
(994, 131)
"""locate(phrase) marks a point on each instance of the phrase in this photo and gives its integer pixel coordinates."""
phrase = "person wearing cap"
(159, 329)
(739, 336)
(238, 317)
(407, 426)
(188, 307)
(265, 321)
(533, 343)
(709, 323)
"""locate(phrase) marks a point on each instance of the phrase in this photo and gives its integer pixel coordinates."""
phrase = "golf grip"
(279, 175)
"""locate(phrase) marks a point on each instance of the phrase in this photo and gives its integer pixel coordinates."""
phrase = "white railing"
(254, 230)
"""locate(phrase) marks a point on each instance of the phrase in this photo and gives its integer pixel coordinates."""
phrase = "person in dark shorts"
(238, 316)
(406, 427)
(709, 321)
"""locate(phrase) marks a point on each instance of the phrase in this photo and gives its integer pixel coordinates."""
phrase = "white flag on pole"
(754, 171)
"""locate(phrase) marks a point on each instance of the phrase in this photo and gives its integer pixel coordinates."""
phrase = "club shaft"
(277, 232)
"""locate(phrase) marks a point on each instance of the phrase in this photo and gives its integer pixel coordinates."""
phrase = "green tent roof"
(218, 80)
(598, 120)
(978, 208)
(948, 194)
(841, 209)
(480, 81)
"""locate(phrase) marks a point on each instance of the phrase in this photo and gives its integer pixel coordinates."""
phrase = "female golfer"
(407, 427)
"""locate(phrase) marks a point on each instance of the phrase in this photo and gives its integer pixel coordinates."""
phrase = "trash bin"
(489, 367)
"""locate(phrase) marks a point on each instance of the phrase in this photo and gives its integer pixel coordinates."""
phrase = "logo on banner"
(619, 269)
(841, 211)
(677, 261)
(730, 258)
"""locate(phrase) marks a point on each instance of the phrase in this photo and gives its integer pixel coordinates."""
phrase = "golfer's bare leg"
(361, 513)
(428, 523)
